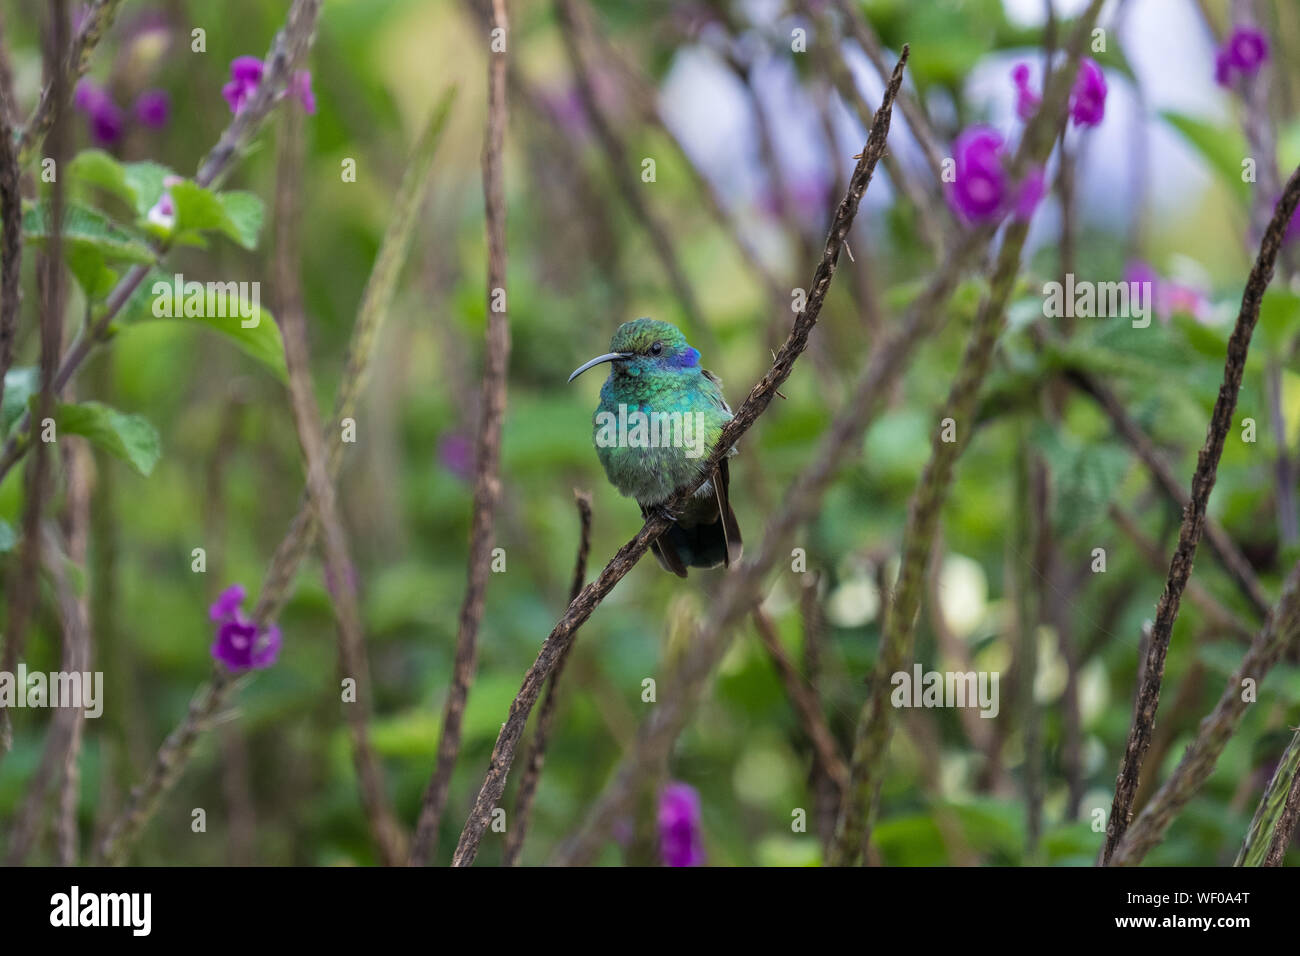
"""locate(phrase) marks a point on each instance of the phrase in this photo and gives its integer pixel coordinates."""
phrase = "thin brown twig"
(487, 453)
(23, 596)
(57, 91)
(574, 30)
(1180, 568)
(1229, 555)
(1280, 631)
(759, 398)
(536, 756)
(339, 568)
(1215, 612)
(804, 700)
(11, 244)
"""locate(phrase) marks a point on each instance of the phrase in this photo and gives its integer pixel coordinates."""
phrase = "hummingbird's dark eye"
(656, 348)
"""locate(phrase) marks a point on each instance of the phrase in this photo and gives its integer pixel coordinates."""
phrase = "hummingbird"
(660, 414)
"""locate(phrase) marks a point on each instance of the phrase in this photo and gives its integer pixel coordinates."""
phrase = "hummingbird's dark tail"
(705, 534)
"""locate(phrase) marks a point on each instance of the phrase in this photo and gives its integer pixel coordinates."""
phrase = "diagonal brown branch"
(1189, 536)
(742, 589)
(1279, 632)
(759, 397)
(487, 454)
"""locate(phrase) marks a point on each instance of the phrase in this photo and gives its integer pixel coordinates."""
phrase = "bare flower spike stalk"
(487, 454)
(581, 608)
(1189, 536)
(853, 829)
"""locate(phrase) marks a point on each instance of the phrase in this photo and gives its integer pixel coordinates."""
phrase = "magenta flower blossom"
(681, 835)
(245, 74)
(1027, 101)
(456, 454)
(1241, 55)
(1168, 297)
(300, 89)
(1088, 97)
(241, 644)
(153, 108)
(979, 188)
(103, 116)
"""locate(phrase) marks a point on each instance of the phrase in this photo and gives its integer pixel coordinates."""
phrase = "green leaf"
(1222, 148)
(96, 167)
(20, 385)
(84, 226)
(90, 270)
(1084, 477)
(237, 215)
(139, 185)
(219, 306)
(129, 437)
(146, 183)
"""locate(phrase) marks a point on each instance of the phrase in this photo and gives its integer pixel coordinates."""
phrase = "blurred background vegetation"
(760, 124)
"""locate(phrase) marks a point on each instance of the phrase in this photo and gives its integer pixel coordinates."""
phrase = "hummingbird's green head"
(646, 345)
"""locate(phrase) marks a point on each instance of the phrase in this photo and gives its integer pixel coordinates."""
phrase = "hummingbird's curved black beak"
(598, 360)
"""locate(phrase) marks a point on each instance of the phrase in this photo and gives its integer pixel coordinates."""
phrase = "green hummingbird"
(660, 414)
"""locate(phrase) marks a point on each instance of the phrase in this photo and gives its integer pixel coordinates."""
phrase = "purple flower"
(153, 108)
(227, 605)
(241, 644)
(1030, 193)
(1243, 54)
(681, 837)
(456, 454)
(1165, 296)
(1088, 98)
(245, 75)
(103, 116)
(980, 183)
(1027, 101)
(300, 89)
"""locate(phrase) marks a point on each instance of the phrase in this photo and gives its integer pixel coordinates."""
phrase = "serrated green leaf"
(96, 167)
(237, 215)
(1084, 478)
(129, 437)
(85, 226)
(20, 385)
(197, 209)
